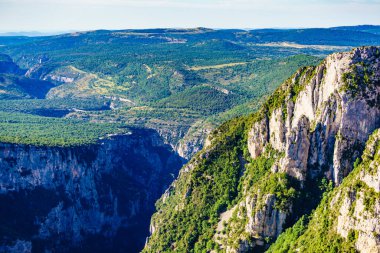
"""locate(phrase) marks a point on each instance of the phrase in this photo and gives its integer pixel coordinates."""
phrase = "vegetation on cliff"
(217, 180)
(224, 200)
(203, 96)
(320, 234)
(190, 214)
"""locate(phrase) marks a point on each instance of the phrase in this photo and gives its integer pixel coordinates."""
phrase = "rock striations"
(309, 132)
(329, 119)
(95, 198)
(348, 217)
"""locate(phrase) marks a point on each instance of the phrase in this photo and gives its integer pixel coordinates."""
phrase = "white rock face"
(357, 215)
(297, 150)
(365, 222)
(277, 130)
(372, 179)
(321, 131)
(267, 221)
(332, 112)
(258, 138)
(318, 123)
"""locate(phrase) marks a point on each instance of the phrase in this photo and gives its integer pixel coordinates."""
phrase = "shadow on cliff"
(96, 198)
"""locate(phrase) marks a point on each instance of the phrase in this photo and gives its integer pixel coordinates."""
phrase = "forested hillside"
(95, 125)
(266, 172)
(180, 82)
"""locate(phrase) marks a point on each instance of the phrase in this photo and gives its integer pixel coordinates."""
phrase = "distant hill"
(181, 82)
(33, 33)
(339, 36)
(361, 28)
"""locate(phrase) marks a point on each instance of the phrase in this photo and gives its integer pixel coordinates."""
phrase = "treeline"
(44, 131)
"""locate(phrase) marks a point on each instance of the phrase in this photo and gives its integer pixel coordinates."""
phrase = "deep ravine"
(96, 198)
(257, 176)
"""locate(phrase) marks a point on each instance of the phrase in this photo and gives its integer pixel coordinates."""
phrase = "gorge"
(259, 175)
(191, 140)
(92, 198)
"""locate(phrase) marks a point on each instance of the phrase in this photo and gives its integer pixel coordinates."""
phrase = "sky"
(68, 15)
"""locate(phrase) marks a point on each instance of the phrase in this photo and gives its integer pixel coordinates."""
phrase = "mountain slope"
(13, 83)
(200, 76)
(257, 175)
(348, 218)
(317, 36)
(18, 87)
(375, 29)
(150, 73)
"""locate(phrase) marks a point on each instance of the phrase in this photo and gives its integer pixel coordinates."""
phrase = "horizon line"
(61, 32)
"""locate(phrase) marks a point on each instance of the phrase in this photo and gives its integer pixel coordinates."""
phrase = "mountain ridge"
(306, 133)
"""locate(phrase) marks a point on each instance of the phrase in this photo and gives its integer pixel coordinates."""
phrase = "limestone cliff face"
(320, 128)
(312, 129)
(358, 202)
(194, 139)
(348, 217)
(89, 198)
(185, 139)
(326, 125)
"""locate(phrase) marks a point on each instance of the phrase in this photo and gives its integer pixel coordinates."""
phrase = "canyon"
(281, 164)
(92, 198)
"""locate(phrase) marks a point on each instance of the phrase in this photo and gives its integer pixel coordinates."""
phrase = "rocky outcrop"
(313, 127)
(194, 140)
(359, 203)
(258, 137)
(186, 139)
(348, 217)
(319, 120)
(267, 220)
(93, 198)
(329, 119)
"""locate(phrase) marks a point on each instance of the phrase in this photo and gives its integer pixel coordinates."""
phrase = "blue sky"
(63, 15)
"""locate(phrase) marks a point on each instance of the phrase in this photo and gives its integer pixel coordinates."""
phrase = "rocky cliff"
(326, 115)
(259, 175)
(320, 127)
(348, 218)
(95, 198)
